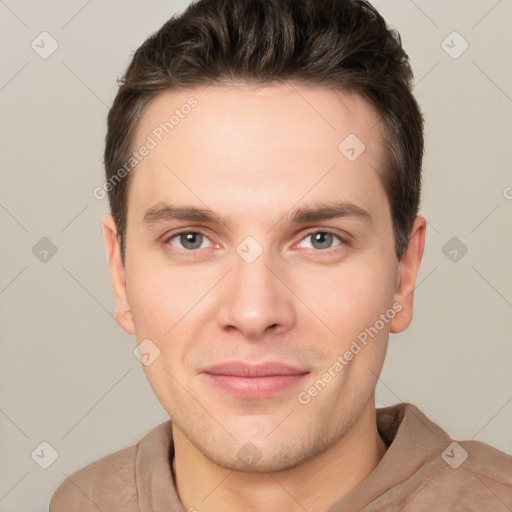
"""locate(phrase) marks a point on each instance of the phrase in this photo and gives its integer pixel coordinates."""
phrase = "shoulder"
(117, 481)
(489, 461)
(92, 487)
(457, 475)
(473, 476)
(492, 467)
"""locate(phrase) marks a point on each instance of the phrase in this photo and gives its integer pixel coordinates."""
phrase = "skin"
(253, 155)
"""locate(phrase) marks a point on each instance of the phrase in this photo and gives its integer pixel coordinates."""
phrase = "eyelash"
(343, 240)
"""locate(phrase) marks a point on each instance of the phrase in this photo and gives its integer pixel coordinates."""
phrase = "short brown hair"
(340, 44)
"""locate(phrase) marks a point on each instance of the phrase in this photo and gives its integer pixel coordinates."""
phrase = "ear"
(117, 274)
(408, 271)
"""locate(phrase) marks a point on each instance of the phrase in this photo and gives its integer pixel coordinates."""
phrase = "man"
(263, 163)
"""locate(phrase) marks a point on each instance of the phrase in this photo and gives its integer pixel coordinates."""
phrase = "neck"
(314, 485)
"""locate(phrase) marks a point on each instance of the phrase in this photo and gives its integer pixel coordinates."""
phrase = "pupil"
(188, 238)
(323, 239)
(324, 236)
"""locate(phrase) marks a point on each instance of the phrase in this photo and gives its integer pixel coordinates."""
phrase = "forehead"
(254, 145)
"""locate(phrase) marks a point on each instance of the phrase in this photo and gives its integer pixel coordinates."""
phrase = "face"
(271, 314)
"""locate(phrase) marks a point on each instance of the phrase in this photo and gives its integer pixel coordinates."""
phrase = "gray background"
(68, 373)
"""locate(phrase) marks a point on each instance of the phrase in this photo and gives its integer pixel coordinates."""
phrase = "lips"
(240, 369)
(254, 380)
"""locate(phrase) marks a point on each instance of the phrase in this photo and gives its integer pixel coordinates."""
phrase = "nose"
(254, 299)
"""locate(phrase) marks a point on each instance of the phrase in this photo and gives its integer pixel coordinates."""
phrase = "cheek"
(165, 307)
(158, 299)
(351, 297)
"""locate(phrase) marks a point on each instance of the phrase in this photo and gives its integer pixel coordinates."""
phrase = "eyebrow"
(162, 212)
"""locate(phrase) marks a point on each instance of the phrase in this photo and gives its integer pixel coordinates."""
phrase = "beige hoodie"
(422, 470)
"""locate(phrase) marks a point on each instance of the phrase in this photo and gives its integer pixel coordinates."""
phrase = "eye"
(189, 240)
(322, 240)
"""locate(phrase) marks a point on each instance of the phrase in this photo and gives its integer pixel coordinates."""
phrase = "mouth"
(254, 380)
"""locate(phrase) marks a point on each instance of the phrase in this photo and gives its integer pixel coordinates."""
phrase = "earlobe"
(408, 271)
(117, 274)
